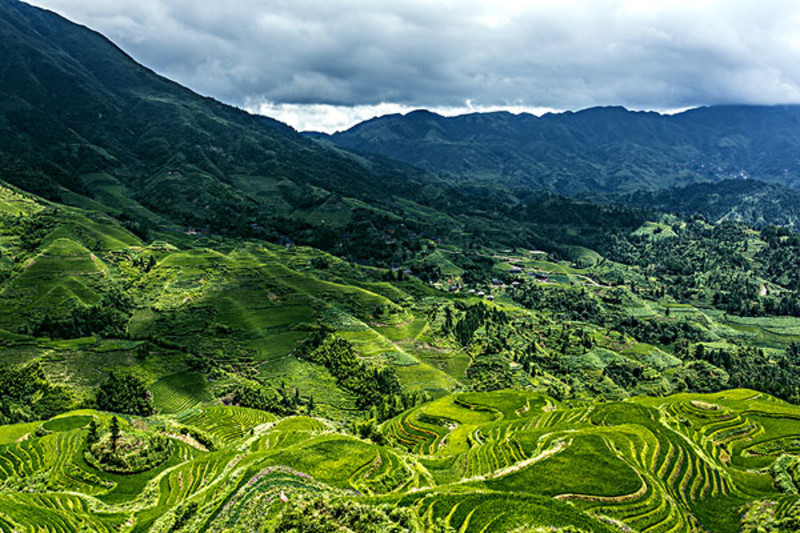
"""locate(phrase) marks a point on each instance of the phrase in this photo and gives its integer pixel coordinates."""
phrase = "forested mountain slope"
(750, 201)
(83, 124)
(80, 121)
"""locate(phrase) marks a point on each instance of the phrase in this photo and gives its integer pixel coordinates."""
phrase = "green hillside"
(574, 393)
(750, 201)
(209, 322)
(81, 123)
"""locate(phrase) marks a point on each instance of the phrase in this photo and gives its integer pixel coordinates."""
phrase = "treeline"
(256, 394)
(124, 393)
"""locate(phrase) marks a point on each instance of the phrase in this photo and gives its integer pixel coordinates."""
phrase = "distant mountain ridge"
(603, 149)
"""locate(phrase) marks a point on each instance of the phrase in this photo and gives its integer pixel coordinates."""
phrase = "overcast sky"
(326, 64)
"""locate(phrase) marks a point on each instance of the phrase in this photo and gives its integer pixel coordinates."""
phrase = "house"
(497, 282)
(490, 298)
(481, 293)
(516, 270)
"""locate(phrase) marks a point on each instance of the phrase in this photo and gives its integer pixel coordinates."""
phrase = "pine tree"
(91, 437)
(115, 433)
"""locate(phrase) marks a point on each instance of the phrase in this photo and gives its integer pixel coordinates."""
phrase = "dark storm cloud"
(557, 54)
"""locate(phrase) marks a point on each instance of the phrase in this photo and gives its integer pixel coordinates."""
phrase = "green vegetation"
(124, 394)
(328, 517)
(436, 408)
(677, 463)
(27, 394)
(209, 322)
(371, 385)
(610, 149)
(125, 452)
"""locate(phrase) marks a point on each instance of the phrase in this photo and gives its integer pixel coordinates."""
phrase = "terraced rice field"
(478, 462)
(180, 392)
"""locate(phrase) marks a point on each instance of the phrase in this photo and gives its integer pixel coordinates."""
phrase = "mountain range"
(604, 149)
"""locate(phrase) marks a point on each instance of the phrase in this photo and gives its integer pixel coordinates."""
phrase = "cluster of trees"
(394, 404)
(664, 331)
(781, 256)
(427, 271)
(700, 376)
(124, 393)
(717, 264)
(28, 395)
(369, 430)
(369, 236)
(487, 373)
(568, 303)
(750, 367)
(145, 264)
(31, 230)
(477, 268)
(82, 322)
(625, 373)
(108, 318)
(258, 395)
(125, 452)
(340, 516)
(474, 317)
(369, 383)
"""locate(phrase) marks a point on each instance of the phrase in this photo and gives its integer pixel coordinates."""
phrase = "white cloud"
(332, 118)
(323, 60)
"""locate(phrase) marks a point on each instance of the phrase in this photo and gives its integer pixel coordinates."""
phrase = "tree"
(115, 433)
(91, 437)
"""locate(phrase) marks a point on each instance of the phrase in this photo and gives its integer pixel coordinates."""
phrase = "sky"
(327, 64)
